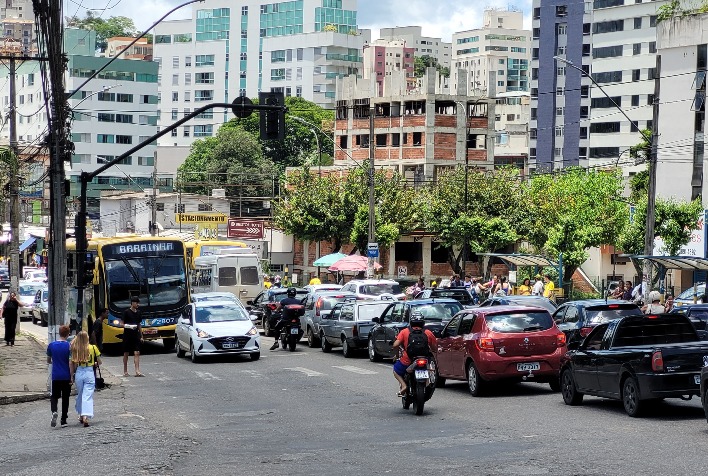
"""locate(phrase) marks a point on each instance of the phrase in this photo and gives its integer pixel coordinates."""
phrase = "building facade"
(383, 57)
(141, 50)
(17, 9)
(419, 132)
(681, 165)
(422, 45)
(501, 46)
(225, 50)
(511, 125)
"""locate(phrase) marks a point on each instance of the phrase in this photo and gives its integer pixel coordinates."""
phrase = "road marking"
(356, 370)
(206, 375)
(251, 373)
(308, 372)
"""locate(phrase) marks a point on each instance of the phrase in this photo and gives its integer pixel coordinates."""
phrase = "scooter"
(291, 332)
(420, 380)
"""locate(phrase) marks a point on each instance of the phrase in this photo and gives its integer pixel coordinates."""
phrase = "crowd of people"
(496, 286)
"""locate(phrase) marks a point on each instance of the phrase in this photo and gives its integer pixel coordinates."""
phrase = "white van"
(237, 273)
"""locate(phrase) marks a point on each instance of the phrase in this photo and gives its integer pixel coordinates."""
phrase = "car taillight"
(560, 340)
(318, 305)
(652, 316)
(657, 361)
(486, 344)
(355, 331)
(421, 362)
(584, 331)
(614, 306)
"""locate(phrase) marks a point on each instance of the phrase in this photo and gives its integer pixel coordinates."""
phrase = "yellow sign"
(196, 218)
(206, 232)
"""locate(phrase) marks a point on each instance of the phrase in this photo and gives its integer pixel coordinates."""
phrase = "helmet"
(417, 320)
(292, 292)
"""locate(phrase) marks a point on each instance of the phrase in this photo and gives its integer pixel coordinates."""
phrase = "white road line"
(206, 375)
(308, 372)
(356, 370)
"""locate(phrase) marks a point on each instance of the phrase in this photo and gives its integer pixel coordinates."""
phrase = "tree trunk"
(336, 244)
(454, 261)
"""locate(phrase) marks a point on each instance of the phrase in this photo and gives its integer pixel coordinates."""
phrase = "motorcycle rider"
(400, 366)
(285, 313)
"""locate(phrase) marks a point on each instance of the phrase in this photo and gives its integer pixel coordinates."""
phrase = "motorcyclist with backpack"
(284, 313)
(417, 342)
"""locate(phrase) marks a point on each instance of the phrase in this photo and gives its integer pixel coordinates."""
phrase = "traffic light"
(272, 121)
(89, 267)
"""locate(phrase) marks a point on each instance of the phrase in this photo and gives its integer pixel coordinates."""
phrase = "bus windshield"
(159, 282)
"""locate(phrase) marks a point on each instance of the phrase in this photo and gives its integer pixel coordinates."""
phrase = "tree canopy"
(104, 28)
(421, 63)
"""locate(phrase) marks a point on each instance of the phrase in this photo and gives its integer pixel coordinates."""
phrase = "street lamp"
(651, 196)
(103, 90)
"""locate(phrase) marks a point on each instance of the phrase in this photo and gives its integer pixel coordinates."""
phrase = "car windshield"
(380, 288)
(369, 311)
(215, 297)
(280, 296)
(459, 295)
(601, 314)
(529, 301)
(519, 322)
(28, 290)
(327, 303)
(221, 313)
(689, 294)
(437, 312)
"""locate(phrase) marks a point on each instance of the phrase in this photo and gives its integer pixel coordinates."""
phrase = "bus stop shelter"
(523, 259)
(699, 266)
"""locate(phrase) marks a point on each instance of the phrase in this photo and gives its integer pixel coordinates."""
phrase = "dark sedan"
(698, 315)
(262, 310)
(395, 318)
(458, 294)
(534, 301)
(578, 318)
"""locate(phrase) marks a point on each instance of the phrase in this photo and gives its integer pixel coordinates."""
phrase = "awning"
(677, 262)
(28, 242)
(519, 259)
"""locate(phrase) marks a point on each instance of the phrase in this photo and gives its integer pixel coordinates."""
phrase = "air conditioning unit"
(218, 193)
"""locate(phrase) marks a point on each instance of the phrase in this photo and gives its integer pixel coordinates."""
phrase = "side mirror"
(183, 320)
(250, 302)
(376, 320)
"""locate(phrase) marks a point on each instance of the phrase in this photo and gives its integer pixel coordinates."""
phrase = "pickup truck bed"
(665, 362)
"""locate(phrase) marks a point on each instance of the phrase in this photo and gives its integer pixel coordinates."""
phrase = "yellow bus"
(151, 268)
(199, 248)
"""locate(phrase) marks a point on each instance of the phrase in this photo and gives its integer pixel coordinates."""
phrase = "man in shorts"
(132, 336)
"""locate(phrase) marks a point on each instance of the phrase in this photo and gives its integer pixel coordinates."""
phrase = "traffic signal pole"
(240, 109)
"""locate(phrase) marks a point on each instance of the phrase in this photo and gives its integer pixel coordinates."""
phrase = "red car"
(510, 343)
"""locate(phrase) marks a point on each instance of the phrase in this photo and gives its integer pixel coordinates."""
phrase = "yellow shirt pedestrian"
(315, 281)
(548, 289)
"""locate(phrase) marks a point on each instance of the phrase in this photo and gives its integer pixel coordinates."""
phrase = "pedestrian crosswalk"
(347, 368)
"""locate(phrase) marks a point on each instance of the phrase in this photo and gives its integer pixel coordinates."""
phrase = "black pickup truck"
(635, 359)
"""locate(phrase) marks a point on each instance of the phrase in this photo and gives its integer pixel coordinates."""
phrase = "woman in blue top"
(58, 353)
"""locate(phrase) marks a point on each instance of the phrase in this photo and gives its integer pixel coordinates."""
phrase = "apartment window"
(560, 71)
(533, 133)
(559, 91)
(500, 83)
(381, 140)
(102, 117)
(187, 79)
(584, 112)
(560, 111)
(204, 78)
(534, 113)
(175, 61)
(636, 74)
(637, 49)
(635, 100)
(300, 54)
(586, 49)
(559, 131)
(558, 152)
(298, 91)
(510, 117)
(417, 138)
(585, 91)
(637, 23)
(605, 102)
(608, 26)
(204, 207)
(185, 131)
(124, 118)
(608, 77)
(204, 60)
(244, 11)
(105, 138)
(561, 10)
(534, 92)
(203, 131)
(187, 96)
(652, 20)
(652, 47)
(536, 13)
(607, 51)
(604, 152)
(534, 53)
(535, 33)
(175, 96)
(120, 139)
(173, 132)
(395, 140)
(188, 61)
(650, 99)
(534, 73)
(175, 80)
(561, 28)
(587, 28)
(560, 50)
(583, 132)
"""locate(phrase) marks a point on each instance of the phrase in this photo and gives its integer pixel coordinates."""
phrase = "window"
(636, 49)
(173, 132)
(584, 112)
(187, 79)
(175, 80)
(188, 61)
(244, 11)
(535, 33)
(381, 140)
(561, 10)
(607, 51)
(201, 95)
(561, 28)
(560, 71)
(637, 23)
(534, 113)
(103, 117)
(175, 96)
(651, 73)
(597, 4)
(650, 99)
(120, 139)
(558, 152)
(124, 118)
(536, 13)
(604, 152)
(559, 91)
(500, 83)
(652, 20)
(204, 78)
(607, 77)
(635, 100)
(204, 207)
(204, 60)
(179, 207)
(583, 132)
(585, 90)
(559, 131)
(560, 50)
(185, 131)
(175, 61)
(560, 111)
(635, 74)
(203, 131)
(605, 128)
(187, 95)
(587, 28)
(105, 138)
(652, 47)
(605, 102)
(417, 138)
(175, 114)
(608, 26)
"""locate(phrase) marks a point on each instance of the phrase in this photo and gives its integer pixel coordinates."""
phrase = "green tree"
(108, 28)
(573, 211)
(492, 210)
(642, 150)
(421, 63)
(300, 142)
(639, 186)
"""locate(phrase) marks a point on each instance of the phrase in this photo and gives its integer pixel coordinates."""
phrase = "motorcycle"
(420, 380)
(291, 331)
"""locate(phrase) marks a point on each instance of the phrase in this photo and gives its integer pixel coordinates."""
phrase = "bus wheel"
(169, 344)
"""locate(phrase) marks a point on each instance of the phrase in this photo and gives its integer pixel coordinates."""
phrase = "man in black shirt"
(132, 336)
(97, 331)
(284, 313)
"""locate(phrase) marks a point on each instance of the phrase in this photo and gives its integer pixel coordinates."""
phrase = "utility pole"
(372, 195)
(14, 186)
(651, 198)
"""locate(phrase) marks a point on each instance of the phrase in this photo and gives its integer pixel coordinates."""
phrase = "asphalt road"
(313, 413)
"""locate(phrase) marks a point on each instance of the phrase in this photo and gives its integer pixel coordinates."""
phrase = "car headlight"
(252, 332)
(203, 334)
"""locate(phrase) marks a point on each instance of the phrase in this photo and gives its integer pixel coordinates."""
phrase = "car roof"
(215, 303)
(597, 302)
(372, 281)
(330, 293)
(487, 311)
(420, 302)
(213, 294)
(285, 290)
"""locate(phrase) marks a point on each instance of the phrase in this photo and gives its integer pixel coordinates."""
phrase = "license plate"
(149, 331)
(230, 345)
(697, 379)
(528, 366)
(294, 330)
(421, 374)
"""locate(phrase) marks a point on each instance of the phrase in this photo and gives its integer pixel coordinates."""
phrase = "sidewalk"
(24, 372)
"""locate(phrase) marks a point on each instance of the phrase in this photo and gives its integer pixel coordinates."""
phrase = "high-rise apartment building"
(572, 121)
(298, 47)
(383, 57)
(422, 45)
(501, 46)
(17, 9)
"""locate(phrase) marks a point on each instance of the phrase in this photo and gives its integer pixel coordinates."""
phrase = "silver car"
(318, 305)
(348, 325)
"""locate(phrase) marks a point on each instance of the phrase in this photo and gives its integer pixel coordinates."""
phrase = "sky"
(439, 18)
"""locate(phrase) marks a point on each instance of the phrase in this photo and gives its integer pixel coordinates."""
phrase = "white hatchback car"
(374, 289)
(216, 328)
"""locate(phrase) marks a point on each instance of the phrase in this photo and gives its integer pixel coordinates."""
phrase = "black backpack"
(417, 344)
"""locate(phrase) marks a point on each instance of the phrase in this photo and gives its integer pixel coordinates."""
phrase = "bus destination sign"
(145, 248)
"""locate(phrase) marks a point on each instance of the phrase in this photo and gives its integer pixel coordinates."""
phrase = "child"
(58, 355)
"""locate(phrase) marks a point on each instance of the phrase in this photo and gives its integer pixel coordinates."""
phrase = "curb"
(34, 339)
(30, 397)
